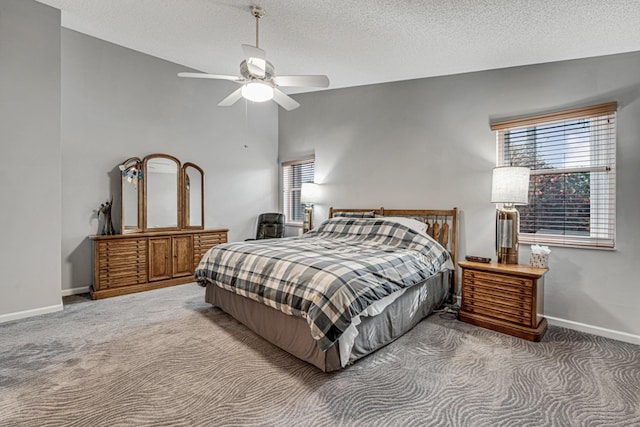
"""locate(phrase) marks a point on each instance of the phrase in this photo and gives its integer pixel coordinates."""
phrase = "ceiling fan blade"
(210, 76)
(231, 99)
(284, 100)
(256, 59)
(302, 81)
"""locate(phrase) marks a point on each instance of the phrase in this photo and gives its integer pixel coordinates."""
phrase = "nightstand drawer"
(498, 278)
(497, 287)
(519, 317)
(511, 300)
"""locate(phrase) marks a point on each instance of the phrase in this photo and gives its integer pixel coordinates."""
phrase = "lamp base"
(507, 258)
(507, 228)
(307, 218)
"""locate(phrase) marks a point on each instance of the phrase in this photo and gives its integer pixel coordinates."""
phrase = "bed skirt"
(292, 333)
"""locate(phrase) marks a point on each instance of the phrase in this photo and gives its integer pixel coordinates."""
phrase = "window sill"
(531, 242)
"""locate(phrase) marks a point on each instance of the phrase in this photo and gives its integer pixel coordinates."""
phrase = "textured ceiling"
(362, 42)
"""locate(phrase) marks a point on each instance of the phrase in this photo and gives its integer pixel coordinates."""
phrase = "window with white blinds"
(293, 175)
(572, 189)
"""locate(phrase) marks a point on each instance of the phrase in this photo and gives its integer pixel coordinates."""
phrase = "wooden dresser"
(128, 263)
(507, 298)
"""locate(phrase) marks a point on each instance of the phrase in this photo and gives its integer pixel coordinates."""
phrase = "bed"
(353, 284)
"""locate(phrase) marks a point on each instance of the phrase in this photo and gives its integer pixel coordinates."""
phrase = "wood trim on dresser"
(135, 262)
(507, 298)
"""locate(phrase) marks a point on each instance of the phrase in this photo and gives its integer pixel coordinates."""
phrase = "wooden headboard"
(442, 225)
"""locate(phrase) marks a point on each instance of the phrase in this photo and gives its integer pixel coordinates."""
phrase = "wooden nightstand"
(507, 298)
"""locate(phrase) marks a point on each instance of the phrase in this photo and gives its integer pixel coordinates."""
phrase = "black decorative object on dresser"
(105, 210)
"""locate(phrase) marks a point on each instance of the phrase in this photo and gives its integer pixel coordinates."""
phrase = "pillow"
(369, 214)
(417, 226)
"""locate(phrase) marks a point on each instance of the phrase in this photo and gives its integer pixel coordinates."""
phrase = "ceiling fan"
(258, 79)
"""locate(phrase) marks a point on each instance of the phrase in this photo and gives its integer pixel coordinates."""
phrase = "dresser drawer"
(121, 245)
(110, 281)
(203, 242)
(120, 262)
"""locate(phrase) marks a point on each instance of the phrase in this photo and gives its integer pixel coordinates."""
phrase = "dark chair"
(270, 226)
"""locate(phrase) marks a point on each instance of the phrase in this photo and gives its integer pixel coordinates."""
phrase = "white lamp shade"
(309, 192)
(510, 184)
(257, 92)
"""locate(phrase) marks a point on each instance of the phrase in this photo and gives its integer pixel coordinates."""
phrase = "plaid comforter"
(328, 275)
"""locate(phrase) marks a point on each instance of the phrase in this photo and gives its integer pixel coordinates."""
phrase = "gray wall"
(118, 103)
(427, 144)
(29, 158)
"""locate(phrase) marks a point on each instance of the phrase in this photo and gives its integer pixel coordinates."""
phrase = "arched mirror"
(193, 192)
(162, 192)
(130, 191)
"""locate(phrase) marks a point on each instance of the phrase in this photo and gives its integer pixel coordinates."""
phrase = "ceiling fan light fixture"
(257, 92)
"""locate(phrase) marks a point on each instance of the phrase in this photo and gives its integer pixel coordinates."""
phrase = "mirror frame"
(181, 173)
(185, 196)
(178, 196)
(130, 163)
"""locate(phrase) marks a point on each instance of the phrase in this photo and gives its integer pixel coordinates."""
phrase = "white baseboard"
(30, 313)
(595, 330)
(75, 291)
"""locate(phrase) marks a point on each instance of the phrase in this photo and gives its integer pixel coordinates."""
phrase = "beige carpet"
(166, 357)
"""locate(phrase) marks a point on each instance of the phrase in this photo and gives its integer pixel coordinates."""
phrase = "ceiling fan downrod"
(258, 12)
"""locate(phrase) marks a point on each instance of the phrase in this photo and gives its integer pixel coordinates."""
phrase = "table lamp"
(308, 195)
(510, 186)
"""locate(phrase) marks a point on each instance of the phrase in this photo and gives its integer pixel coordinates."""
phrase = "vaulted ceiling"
(362, 42)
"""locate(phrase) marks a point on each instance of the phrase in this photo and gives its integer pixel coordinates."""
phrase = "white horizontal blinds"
(293, 175)
(572, 156)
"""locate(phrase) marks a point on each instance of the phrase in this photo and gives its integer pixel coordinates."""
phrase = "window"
(572, 190)
(293, 175)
